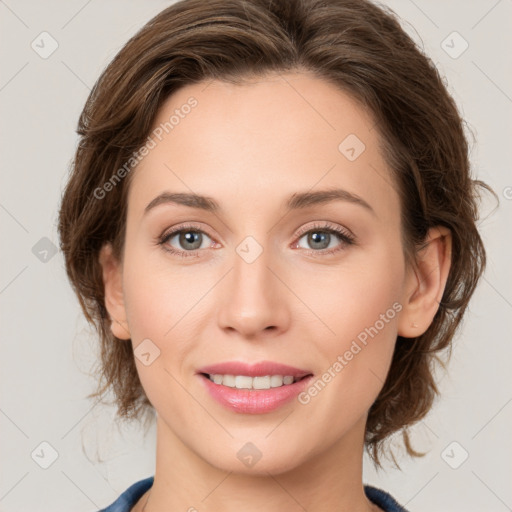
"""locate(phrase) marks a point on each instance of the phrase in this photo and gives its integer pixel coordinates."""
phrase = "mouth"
(253, 389)
(261, 375)
(254, 383)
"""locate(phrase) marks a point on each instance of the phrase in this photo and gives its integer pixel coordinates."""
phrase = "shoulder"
(130, 497)
(382, 499)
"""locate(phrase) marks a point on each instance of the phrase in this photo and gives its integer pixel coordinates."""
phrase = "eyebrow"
(297, 201)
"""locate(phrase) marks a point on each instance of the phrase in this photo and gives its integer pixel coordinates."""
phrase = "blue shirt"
(129, 498)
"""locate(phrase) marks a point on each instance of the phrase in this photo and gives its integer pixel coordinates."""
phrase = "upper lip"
(259, 369)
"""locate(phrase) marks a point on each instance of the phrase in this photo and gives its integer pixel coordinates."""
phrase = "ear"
(114, 297)
(425, 283)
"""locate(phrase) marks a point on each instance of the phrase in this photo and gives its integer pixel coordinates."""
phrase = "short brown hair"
(354, 44)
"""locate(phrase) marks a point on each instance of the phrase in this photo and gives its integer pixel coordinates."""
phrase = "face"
(316, 282)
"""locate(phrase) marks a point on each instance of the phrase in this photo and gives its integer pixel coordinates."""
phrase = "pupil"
(190, 237)
(316, 238)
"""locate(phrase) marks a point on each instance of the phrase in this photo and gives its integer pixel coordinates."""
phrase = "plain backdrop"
(48, 349)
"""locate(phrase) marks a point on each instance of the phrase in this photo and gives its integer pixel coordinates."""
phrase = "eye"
(325, 239)
(189, 239)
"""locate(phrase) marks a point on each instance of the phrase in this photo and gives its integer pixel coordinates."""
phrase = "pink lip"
(254, 401)
(253, 370)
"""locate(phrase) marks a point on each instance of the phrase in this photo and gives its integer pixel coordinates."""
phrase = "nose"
(253, 301)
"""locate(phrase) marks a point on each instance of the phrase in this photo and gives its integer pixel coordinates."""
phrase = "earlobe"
(426, 283)
(114, 297)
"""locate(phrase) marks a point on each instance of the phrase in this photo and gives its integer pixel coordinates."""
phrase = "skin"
(250, 147)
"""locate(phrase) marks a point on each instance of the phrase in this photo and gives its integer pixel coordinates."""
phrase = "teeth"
(245, 382)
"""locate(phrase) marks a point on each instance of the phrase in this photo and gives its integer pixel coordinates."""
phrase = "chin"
(254, 459)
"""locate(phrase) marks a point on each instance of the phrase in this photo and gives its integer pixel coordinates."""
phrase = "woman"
(271, 221)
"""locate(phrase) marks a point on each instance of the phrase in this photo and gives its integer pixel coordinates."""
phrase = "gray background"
(48, 349)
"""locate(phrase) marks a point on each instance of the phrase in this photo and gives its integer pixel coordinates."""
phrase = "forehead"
(261, 141)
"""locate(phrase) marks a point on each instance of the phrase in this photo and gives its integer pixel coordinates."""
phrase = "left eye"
(321, 239)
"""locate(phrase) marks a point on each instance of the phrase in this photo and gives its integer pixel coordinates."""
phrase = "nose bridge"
(253, 300)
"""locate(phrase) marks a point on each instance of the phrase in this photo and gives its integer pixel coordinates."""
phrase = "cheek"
(358, 354)
(360, 305)
(159, 294)
(165, 305)
(360, 294)
(156, 306)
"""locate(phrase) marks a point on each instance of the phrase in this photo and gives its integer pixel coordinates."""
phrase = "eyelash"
(344, 235)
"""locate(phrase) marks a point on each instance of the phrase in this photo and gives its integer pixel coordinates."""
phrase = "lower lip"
(254, 401)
